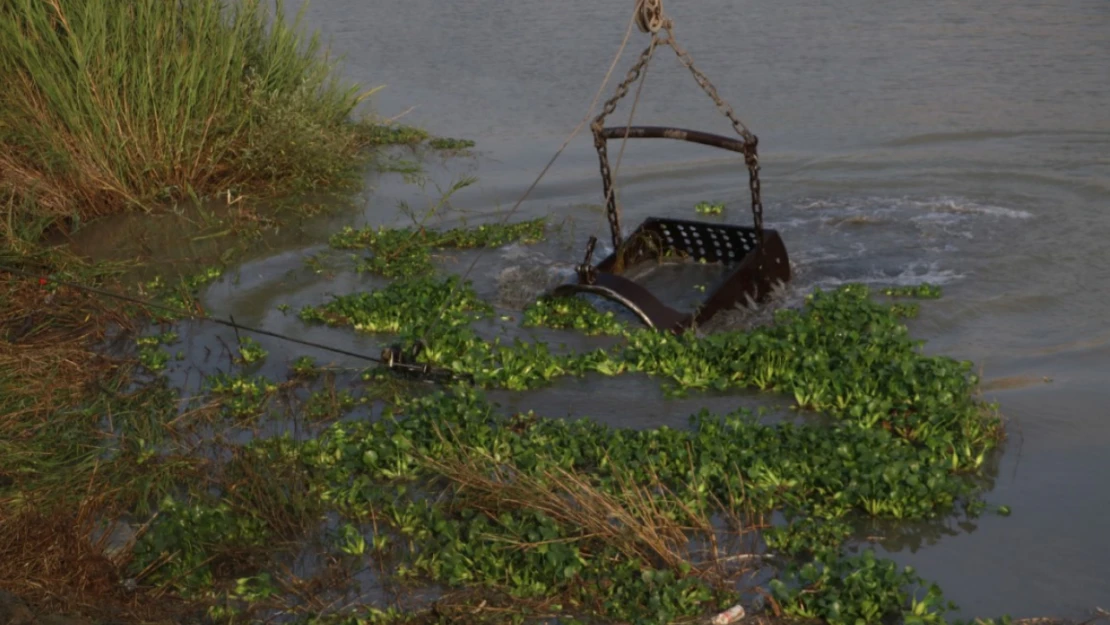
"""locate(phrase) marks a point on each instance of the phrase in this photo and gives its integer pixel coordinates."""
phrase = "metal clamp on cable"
(395, 355)
(397, 359)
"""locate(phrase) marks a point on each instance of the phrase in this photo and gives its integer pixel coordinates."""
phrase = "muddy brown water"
(965, 144)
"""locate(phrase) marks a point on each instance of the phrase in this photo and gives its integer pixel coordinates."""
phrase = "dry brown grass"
(54, 555)
(47, 340)
(644, 520)
(60, 560)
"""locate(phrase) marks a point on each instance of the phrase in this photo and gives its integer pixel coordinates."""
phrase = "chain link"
(612, 211)
(751, 142)
(650, 18)
(586, 272)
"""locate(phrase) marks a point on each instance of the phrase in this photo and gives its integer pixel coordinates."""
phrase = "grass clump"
(413, 306)
(114, 105)
(709, 208)
(450, 144)
(407, 252)
(396, 134)
(572, 313)
(580, 520)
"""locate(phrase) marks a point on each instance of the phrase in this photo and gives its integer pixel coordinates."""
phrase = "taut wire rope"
(646, 14)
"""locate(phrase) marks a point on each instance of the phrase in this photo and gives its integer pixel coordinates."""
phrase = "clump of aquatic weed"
(111, 105)
(414, 306)
(844, 354)
(407, 252)
(450, 144)
(572, 313)
(709, 208)
(575, 519)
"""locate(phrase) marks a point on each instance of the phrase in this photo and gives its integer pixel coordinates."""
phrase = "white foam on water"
(795, 222)
(947, 248)
(965, 207)
(562, 271)
(516, 251)
(914, 274)
(804, 258)
(820, 204)
(872, 206)
(943, 219)
(816, 255)
(950, 225)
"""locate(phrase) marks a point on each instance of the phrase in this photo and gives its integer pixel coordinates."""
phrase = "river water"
(965, 144)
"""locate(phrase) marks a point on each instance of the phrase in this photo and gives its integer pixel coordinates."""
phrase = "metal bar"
(652, 312)
(663, 132)
(612, 210)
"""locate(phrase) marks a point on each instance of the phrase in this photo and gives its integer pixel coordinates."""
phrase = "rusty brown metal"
(652, 312)
(753, 269)
(755, 258)
(680, 134)
(758, 274)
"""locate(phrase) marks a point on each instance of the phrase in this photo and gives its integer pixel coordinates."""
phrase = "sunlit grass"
(112, 105)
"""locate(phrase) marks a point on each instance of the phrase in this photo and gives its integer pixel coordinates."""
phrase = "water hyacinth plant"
(530, 516)
(709, 208)
(265, 498)
(407, 252)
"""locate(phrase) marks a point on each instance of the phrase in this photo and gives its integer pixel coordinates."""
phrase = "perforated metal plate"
(702, 241)
(752, 269)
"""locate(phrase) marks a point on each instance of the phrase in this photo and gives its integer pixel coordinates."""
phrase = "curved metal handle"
(746, 146)
(680, 134)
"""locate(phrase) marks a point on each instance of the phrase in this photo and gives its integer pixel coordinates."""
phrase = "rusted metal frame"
(680, 134)
(755, 278)
(652, 312)
(755, 275)
(758, 270)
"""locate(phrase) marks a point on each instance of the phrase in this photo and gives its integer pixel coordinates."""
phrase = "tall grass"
(109, 105)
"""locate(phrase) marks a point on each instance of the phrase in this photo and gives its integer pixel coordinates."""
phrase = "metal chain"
(650, 18)
(751, 142)
(586, 272)
(611, 209)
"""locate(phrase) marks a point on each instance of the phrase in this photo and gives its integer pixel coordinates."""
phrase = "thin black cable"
(543, 172)
(231, 324)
